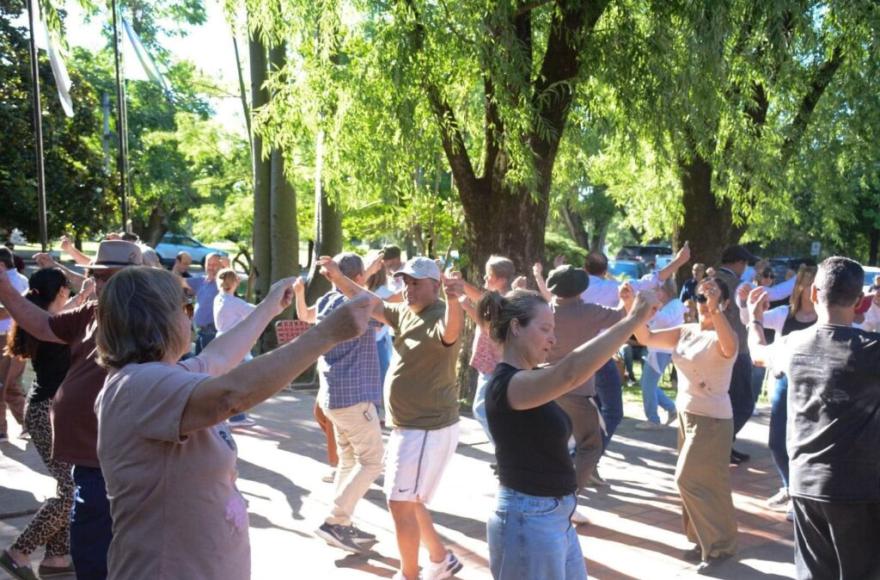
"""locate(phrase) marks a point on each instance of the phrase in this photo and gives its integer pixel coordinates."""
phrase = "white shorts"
(415, 461)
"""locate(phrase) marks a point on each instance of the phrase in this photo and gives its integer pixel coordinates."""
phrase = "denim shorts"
(531, 538)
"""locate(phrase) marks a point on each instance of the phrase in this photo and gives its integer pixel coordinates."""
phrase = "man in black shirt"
(834, 431)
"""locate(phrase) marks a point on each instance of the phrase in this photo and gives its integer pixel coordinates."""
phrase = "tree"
(76, 183)
(724, 97)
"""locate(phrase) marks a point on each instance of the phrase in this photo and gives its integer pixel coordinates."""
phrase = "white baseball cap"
(420, 268)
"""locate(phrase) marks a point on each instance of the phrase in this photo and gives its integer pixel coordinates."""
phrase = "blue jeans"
(758, 374)
(383, 347)
(778, 417)
(480, 403)
(609, 392)
(531, 538)
(204, 335)
(91, 528)
(652, 394)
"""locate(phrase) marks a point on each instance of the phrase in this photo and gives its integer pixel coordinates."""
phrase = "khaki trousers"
(586, 428)
(702, 475)
(360, 449)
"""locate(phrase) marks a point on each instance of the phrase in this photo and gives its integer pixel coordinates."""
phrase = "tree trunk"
(874, 246)
(574, 223)
(153, 229)
(328, 242)
(262, 266)
(708, 222)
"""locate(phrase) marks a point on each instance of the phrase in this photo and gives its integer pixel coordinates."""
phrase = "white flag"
(139, 66)
(48, 41)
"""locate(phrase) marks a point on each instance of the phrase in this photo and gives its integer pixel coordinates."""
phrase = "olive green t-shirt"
(420, 388)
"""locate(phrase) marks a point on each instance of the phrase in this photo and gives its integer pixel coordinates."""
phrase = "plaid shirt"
(349, 373)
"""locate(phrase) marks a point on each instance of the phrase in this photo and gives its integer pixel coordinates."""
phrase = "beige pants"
(359, 444)
(702, 475)
(586, 428)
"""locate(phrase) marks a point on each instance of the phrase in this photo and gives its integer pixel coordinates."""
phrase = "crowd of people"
(144, 373)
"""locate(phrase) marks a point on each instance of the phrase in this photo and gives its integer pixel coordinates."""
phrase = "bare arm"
(665, 338)
(76, 255)
(469, 308)
(758, 347)
(728, 341)
(681, 258)
(248, 384)
(347, 286)
(531, 388)
(228, 349)
(538, 272)
(472, 292)
(454, 318)
(303, 312)
(44, 260)
(26, 314)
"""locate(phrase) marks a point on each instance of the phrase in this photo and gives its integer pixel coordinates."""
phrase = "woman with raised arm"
(703, 353)
(49, 289)
(168, 460)
(530, 532)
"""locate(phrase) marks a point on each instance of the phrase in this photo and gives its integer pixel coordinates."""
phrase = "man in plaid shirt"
(350, 388)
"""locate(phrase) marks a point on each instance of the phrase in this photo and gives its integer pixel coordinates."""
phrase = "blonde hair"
(138, 317)
(227, 280)
(806, 275)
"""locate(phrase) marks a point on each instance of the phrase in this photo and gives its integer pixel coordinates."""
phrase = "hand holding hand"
(351, 319)
(452, 285)
(757, 303)
(329, 268)
(520, 283)
(538, 269)
(66, 243)
(87, 291)
(645, 306)
(627, 295)
(44, 260)
(742, 293)
(299, 286)
(280, 295)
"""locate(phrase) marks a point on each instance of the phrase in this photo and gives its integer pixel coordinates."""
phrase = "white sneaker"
(579, 519)
(780, 502)
(445, 569)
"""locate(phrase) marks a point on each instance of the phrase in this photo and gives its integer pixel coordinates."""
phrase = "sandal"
(49, 571)
(16, 571)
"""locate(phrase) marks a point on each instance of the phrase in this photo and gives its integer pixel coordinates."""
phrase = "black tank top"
(792, 324)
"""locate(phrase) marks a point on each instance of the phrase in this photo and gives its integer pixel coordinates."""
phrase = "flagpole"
(38, 131)
(121, 123)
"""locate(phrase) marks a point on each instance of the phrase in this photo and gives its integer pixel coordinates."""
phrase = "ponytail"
(499, 311)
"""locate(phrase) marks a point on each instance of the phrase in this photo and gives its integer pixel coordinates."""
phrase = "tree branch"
(798, 126)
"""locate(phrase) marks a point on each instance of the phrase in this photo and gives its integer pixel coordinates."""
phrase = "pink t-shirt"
(486, 353)
(176, 511)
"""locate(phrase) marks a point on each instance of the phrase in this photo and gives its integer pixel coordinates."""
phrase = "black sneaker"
(339, 536)
(360, 536)
(737, 457)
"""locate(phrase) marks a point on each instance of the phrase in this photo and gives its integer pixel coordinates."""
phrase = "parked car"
(627, 269)
(173, 244)
(871, 272)
(646, 253)
(781, 265)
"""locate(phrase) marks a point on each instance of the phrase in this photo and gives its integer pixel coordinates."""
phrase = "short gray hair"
(137, 317)
(350, 264)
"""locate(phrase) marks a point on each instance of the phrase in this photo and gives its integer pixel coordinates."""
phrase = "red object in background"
(287, 330)
(865, 304)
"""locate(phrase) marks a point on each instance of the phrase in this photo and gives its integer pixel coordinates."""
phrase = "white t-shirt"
(229, 310)
(20, 283)
(703, 374)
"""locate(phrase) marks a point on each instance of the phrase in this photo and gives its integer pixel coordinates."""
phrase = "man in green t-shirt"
(421, 397)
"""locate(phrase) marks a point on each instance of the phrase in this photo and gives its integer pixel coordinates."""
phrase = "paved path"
(635, 532)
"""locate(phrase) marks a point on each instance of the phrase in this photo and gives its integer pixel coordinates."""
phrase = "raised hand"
(452, 285)
(299, 286)
(44, 260)
(538, 269)
(66, 243)
(520, 283)
(280, 295)
(742, 293)
(710, 290)
(757, 303)
(645, 306)
(559, 260)
(683, 255)
(351, 319)
(329, 268)
(627, 295)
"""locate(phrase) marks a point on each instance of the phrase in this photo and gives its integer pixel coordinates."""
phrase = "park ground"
(635, 530)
